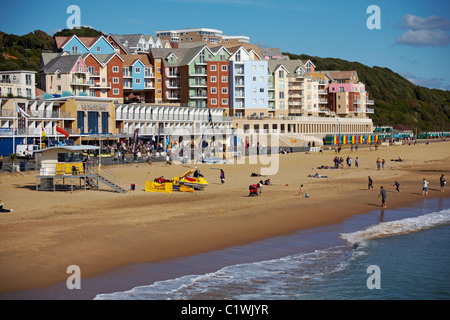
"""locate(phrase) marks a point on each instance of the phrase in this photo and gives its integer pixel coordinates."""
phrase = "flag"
(135, 140)
(24, 114)
(62, 131)
(43, 135)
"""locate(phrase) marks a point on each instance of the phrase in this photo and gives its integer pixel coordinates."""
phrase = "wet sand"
(103, 230)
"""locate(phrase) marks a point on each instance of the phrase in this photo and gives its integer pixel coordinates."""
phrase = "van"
(20, 150)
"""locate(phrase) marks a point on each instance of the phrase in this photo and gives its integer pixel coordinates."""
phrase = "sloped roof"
(64, 64)
(130, 59)
(342, 74)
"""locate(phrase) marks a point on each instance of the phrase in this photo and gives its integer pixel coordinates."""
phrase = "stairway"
(108, 182)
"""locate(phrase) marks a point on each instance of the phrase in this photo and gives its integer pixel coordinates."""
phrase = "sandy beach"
(101, 230)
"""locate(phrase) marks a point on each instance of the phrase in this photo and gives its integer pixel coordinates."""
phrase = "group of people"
(339, 162)
(396, 185)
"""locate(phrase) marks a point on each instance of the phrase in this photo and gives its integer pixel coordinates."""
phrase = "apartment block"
(18, 84)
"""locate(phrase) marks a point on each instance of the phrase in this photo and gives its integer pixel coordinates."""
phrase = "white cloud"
(417, 23)
(422, 38)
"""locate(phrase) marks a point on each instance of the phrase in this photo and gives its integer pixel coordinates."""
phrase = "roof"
(290, 65)
(69, 148)
(64, 64)
(132, 39)
(130, 59)
(342, 74)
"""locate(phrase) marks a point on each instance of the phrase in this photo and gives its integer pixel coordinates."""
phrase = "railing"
(49, 114)
(6, 113)
(370, 102)
(80, 82)
(101, 85)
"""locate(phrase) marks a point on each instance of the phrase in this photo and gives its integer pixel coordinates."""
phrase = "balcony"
(198, 84)
(80, 82)
(323, 101)
(100, 85)
(323, 92)
(370, 110)
(370, 102)
(198, 95)
(173, 85)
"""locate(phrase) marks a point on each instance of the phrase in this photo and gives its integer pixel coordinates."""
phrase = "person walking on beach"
(378, 163)
(383, 163)
(396, 185)
(442, 182)
(425, 187)
(300, 192)
(222, 176)
(383, 197)
(356, 162)
(370, 183)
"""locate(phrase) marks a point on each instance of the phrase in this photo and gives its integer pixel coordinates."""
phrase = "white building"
(18, 84)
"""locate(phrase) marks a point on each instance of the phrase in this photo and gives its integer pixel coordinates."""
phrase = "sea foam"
(398, 227)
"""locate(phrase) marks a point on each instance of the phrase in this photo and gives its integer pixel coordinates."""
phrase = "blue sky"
(414, 39)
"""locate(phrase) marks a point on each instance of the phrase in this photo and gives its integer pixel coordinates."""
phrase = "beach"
(103, 230)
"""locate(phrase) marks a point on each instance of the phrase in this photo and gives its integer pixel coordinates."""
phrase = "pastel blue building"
(75, 45)
(249, 88)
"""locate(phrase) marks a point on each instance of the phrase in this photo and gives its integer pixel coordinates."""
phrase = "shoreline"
(101, 235)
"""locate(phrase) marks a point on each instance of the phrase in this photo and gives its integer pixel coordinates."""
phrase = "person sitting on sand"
(4, 210)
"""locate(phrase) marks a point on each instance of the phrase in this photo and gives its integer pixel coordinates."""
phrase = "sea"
(385, 254)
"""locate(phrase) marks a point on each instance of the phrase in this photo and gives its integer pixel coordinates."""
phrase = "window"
(99, 49)
(138, 81)
(115, 69)
(281, 74)
(261, 90)
(116, 92)
(261, 68)
(59, 88)
(281, 94)
(213, 67)
(224, 90)
(254, 79)
(224, 101)
(214, 101)
(74, 50)
(224, 79)
(224, 68)
(261, 79)
(281, 84)
(254, 101)
(261, 101)
(19, 92)
(213, 79)
(115, 80)
(282, 105)
(137, 70)
(213, 90)
(58, 76)
(253, 67)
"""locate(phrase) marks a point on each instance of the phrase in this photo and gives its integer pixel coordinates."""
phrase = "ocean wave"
(256, 280)
(398, 227)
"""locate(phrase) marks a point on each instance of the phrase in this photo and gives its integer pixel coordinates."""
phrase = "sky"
(411, 37)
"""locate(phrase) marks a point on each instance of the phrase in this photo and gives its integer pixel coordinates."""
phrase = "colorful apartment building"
(249, 94)
(204, 35)
(82, 45)
(347, 97)
(138, 78)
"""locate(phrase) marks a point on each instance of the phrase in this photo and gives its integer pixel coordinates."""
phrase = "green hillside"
(397, 100)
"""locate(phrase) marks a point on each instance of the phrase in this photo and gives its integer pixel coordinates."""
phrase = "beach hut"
(59, 165)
